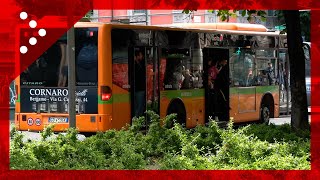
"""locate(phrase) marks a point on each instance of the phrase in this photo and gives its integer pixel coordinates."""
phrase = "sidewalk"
(285, 119)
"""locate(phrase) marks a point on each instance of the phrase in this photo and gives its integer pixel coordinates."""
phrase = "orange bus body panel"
(246, 108)
(85, 122)
(104, 74)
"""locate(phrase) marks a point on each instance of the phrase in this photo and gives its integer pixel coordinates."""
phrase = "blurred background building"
(158, 17)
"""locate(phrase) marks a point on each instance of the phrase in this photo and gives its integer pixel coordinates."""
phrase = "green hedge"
(161, 147)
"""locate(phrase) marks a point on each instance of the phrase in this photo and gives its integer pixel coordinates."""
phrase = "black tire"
(265, 114)
(88, 134)
(178, 109)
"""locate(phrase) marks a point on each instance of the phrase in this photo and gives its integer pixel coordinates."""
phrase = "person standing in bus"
(197, 77)
(188, 81)
(139, 83)
(213, 72)
(221, 89)
(270, 74)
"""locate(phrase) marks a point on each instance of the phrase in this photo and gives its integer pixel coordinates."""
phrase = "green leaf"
(223, 18)
(186, 11)
(233, 15)
(263, 13)
(263, 19)
(254, 11)
(259, 13)
(244, 12)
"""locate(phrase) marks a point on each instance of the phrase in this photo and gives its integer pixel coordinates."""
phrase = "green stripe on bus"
(264, 89)
(257, 89)
(121, 98)
(18, 99)
(104, 102)
(189, 93)
(115, 98)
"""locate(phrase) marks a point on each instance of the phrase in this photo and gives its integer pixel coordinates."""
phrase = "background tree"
(299, 108)
(304, 22)
(305, 25)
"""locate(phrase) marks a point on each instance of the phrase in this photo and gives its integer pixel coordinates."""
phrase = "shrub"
(166, 145)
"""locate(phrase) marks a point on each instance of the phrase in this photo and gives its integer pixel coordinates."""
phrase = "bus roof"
(221, 26)
(227, 28)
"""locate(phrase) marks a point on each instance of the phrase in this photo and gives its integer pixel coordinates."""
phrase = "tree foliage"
(304, 23)
(226, 14)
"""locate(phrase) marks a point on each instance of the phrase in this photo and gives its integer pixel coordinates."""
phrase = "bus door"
(243, 91)
(217, 95)
(144, 80)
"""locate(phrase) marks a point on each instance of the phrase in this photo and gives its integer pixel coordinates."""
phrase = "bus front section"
(43, 86)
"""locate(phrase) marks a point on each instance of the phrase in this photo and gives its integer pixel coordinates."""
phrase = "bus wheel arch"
(177, 106)
(266, 108)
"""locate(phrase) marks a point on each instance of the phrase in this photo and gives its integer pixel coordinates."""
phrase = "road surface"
(285, 119)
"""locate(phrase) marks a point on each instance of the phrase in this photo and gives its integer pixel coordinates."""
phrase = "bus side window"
(178, 77)
(87, 60)
(242, 70)
(173, 76)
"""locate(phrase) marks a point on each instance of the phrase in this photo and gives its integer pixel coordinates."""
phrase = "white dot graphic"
(23, 15)
(23, 49)
(33, 41)
(42, 32)
(33, 24)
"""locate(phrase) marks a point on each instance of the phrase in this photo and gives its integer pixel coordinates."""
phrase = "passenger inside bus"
(63, 69)
(212, 74)
(33, 73)
(270, 74)
(197, 77)
(221, 89)
(178, 77)
(174, 78)
(188, 80)
(87, 61)
(260, 79)
(139, 83)
(242, 74)
(218, 85)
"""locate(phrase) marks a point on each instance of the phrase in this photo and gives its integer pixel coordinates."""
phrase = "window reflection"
(242, 70)
(181, 72)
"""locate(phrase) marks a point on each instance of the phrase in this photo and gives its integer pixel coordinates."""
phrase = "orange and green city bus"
(175, 60)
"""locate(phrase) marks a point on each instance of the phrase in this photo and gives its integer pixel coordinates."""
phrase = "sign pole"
(71, 78)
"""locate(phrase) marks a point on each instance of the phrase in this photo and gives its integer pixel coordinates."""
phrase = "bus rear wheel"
(177, 107)
(88, 134)
(265, 114)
